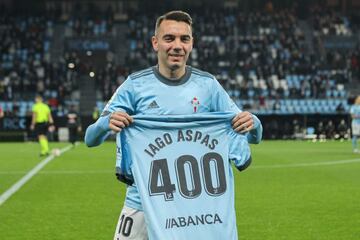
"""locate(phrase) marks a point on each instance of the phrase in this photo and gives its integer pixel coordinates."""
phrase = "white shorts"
(355, 127)
(131, 225)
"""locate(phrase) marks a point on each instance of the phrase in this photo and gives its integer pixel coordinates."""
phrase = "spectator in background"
(41, 118)
(286, 131)
(355, 124)
(53, 101)
(298, 130)
(342, 130)
(1, 113)
(330, 130)
(320, 131)
(269, 7)
(15, 109)
(73, 124)
(340, 108)
(1, 117)
(274, 129)
(277, 105)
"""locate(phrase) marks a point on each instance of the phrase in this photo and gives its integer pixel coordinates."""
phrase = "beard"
(174, 66)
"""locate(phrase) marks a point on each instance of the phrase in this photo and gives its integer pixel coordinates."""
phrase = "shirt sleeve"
(97, 132)
(221, 101)
(122, 100)
(239, 151)
(255, 135)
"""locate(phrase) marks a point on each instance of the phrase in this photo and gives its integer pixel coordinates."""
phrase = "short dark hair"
(178, 15)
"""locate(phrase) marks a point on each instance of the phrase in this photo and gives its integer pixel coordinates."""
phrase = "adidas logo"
(153, 104)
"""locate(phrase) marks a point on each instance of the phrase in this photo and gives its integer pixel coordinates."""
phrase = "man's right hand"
(119, 120)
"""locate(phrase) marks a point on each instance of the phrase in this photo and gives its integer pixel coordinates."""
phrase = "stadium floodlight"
(71, 65)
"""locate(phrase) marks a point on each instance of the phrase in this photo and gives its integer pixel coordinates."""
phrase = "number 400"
(159, 169)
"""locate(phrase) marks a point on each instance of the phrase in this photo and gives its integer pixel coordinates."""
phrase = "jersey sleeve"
(255, 135)
(122, 99)
(239, 151)
(221, 101)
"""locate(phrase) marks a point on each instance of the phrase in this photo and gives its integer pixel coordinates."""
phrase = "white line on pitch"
(311, 164)
(61, 172)
(77, 172)
(14, 188)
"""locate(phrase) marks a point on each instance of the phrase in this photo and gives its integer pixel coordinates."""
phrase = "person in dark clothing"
(330, 130)
(342, 130)
(320, 131)
(73, 124)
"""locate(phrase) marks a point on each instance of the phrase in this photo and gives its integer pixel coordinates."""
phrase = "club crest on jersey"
(195, 103)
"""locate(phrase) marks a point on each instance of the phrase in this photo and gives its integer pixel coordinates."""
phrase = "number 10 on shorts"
(189, 187)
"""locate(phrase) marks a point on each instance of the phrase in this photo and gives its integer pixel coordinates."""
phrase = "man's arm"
(97, 132)
(51, 120)
(32, 125)
(355, 116)
(114, 117)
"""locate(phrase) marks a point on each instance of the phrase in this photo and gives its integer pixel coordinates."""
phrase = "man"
(342, 130)
(355, 124)
(73, 124)
(170, 88)
(1, 117)
(1, 113)
(41, 118)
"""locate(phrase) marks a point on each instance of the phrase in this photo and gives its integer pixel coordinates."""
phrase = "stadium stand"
(271, 62)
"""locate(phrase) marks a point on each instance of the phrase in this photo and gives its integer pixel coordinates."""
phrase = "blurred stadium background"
(293, 63)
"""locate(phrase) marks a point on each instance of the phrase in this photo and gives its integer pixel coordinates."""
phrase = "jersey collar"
(167, 81)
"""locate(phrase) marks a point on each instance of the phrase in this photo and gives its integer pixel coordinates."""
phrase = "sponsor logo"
(153, 105)
(203, 219)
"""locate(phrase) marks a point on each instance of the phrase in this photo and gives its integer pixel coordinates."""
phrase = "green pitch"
(293, 190)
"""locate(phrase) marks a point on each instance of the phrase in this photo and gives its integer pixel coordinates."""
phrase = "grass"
(76, 196)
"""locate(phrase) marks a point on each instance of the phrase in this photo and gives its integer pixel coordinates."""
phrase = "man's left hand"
(243, 122)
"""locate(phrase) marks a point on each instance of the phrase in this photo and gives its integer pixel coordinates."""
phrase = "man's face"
(173, 44)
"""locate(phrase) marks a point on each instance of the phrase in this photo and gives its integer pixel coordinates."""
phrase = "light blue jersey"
(355, 110)
(148, 92)
(182, 168)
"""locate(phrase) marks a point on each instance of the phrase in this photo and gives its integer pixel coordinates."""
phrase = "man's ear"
(154, 42)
